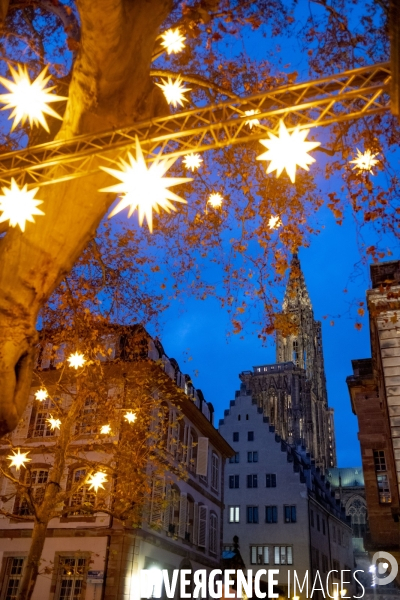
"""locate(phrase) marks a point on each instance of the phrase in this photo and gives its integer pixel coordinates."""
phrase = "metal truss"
(332, 99)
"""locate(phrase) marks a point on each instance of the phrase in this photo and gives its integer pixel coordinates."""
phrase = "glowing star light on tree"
(286, 151)
(172, 40)
(365, 161)
(130, 417)
(18, 205)
(252, 122)
(76, 360)
(54, 423)
(174, 91)
(274, 222)
(192, 161)
(215, 200)
(18, 459)
(144, 188)
(29, 99)
(41, 395)
(105, 429)
(96, 481)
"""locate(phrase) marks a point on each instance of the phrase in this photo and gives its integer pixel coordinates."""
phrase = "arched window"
(213, 535)
(356, 508)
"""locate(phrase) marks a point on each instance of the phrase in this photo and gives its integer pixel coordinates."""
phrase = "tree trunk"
(110, 88)
(32, 566)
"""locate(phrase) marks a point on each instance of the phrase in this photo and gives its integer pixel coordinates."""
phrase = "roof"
(345, 477)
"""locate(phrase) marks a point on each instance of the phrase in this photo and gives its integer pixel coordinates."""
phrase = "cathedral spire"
(296, 294)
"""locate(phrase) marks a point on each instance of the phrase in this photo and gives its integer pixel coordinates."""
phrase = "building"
(93, 555)
(292, 392)
(278, 503)
(374, 389)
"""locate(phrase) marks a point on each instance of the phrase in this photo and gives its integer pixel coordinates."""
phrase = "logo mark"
(383, 563)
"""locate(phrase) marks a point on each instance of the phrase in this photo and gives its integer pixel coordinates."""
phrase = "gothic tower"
(292, 392)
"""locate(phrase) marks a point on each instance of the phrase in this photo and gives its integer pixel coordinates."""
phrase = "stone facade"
(278, 502)
(184, 526)
(292, 392)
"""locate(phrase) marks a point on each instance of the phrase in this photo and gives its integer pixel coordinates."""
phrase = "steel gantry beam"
(348, 95)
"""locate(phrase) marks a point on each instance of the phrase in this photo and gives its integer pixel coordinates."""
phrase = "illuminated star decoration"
(173, 40)
(288, 150)
(105, 429)
(76, 360)
(18, 205)
(252, 122)
(41, 395)
(215, 200)
(192, 161)
(130, 417)
(29, 99)
(18, 459)
(174, 91)
(365, 162)
(274, 222)
(54, 423)
(144, 188)
(96, 481)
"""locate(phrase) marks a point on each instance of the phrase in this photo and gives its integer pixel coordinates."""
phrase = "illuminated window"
(259, 555)
(70, 578)
(283, 555)
(234, 513)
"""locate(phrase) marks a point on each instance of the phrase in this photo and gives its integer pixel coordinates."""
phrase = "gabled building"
(292, 392)
(91, 554)
(278, 503)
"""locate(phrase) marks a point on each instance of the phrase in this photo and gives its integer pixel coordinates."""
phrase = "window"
(271, 514)
(270, 480)
(318, 523)
(38, 426)
(234, 512)
(283, 555)
(235, 436)
(336, 565)
(325, 567)
(12, 578)
(323, 527)
(213, 533)
(259, 555)
(289, 514)
(252, 481)
(312, 521)
(86, 421)
(252, 514)
(82, 497)
(234, 458)
(215, 472)
(252, 457)
(71, 575)
(382, 479)
(36, 479)
(250, 436)
(379, 460)
(233, 481)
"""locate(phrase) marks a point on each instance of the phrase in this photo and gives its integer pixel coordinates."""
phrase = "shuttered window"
(183, 504)
(202, 457)
(157, 497)
(213, 533)
(202, 526)
(215, 472)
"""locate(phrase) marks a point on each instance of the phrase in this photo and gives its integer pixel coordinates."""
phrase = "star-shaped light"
(130, 417)
(41, 395)
(54, 423)
(18, 459)
(174, 91)
(172, 40)
(365, 161)
(288, 150)
(252, 122)
(105, 429)
(144, 188)
(29, 99)
(96, 481)
(192, 161)
(274, 222)
(215, 200)
(76, 360)
(18, 205)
